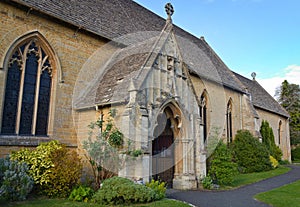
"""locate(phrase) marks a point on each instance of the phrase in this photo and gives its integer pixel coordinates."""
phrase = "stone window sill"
(26, 141)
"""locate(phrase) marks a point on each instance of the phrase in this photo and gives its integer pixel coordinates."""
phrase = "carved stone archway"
(167, 153)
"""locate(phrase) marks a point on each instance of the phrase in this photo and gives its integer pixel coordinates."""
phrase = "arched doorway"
(163, 165)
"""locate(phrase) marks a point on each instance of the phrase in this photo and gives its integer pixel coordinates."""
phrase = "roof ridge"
(212, 52)
(277, 108)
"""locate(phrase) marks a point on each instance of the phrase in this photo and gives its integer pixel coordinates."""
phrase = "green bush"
(15, 183)
(65, 173)
(207, 182)
(81, 194)
(222, 168)
(54, 168)
(249, 153)
(296, 154)
(118, 191)
(277, 152)
(268, 140)
(283, 162)
(38, 160)
(159, 189)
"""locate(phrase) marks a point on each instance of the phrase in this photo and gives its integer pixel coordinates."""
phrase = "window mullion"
(23, 69)
(37, 92)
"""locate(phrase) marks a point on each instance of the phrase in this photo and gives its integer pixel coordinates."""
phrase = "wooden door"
(163, 157)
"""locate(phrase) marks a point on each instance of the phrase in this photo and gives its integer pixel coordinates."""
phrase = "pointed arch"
(34, 34)
(279, 132)
(229, 121)
(32, 69)
(171, 117)
(203, 113)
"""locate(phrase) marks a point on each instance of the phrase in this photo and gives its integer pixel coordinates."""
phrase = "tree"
(268, 140)
(105, 147)
(102, 151)
(288, 95)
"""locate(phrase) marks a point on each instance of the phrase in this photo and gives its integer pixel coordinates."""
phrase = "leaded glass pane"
(43, 104)
(11, 99)
(28, 95)
(24, 115)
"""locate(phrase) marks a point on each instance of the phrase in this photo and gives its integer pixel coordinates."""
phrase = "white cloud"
(290, 73)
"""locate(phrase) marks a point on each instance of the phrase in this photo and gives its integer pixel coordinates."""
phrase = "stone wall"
(218, 98)
(73, 49)
(274, 120)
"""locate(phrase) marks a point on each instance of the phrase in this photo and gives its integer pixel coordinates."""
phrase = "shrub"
(277, 153)
(54, 168)
(65, 173)
(81, 194)
(119, 191)
(207, 182)
(283, 162)
(222, 168)
(15, 183)
(296, 154)
(106, 150)
(102, 149)
(159, 188)
(274, 162)
(249, 153)
(38, 160)
(268, 140)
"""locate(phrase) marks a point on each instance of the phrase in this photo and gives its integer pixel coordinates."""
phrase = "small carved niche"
(170, 64)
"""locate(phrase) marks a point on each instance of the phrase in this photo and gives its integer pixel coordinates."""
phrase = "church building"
(65, 64)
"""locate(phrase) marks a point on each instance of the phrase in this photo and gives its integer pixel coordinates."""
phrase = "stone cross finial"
(169, 10)
(253, 75)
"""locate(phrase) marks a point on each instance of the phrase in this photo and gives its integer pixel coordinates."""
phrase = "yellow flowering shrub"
(274, 162)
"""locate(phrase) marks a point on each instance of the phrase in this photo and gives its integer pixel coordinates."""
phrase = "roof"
(107, 18)
(125, 64)
(260, 97)
(115, 19)
(112, 84)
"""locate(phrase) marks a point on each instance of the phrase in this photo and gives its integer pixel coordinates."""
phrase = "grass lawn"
(66, 203)
(285, 196)
(245, 179)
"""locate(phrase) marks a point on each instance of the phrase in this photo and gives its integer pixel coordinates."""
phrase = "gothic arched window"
(203, 114)
(27, 91)
(279, 132)
(229, 122)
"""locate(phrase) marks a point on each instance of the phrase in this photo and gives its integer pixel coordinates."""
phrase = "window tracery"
(27, 91)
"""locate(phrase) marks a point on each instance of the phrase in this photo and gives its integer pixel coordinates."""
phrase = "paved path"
(241, 197)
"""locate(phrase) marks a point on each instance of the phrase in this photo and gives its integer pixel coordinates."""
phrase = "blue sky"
(261, 36)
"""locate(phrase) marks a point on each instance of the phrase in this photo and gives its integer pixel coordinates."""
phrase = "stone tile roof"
(260, 97)
(107, 18)
(124, 65)
(114, 19)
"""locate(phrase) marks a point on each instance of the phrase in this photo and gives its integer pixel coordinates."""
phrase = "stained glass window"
(27, 92)
(229, 122)
(11, 99)
(279, 132)
(203, 114)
